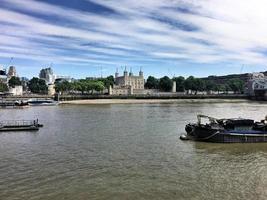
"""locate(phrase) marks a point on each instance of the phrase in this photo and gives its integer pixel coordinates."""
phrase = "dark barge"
(234, 130)
(20, 125)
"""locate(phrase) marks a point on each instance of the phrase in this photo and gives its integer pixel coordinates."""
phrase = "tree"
(179, 83)
(98, 86)
(236, 85)
(111, 80)
(14, 81)
(165, 84)
(190, 84)
(199, 85)
(3, 87)
(64, 86)
(209, 85)
(152, 83)
(107, 81)
(88, 86)
(37, 85)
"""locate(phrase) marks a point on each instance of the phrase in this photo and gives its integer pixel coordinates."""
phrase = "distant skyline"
(82, 38)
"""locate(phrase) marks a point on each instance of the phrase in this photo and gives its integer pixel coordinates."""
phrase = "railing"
(18, 123)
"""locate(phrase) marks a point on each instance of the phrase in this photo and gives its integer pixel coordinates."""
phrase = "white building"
(257, 81)
(16, 91)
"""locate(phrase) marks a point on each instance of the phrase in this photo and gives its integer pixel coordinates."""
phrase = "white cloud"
(227, 31)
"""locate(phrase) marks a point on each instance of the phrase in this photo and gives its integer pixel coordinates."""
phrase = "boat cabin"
(238, 124)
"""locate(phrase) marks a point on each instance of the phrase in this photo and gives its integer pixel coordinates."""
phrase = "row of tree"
(83, 86)
(38, 86)
(194, 84)
(13, 81)
(35, 85)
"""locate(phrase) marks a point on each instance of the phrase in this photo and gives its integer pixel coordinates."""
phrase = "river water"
(128, 151)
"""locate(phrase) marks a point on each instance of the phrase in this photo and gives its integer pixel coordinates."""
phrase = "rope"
(217, 132)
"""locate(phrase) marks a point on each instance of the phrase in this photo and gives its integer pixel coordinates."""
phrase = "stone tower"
(174, 86)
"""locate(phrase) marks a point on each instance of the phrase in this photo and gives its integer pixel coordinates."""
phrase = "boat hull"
(43, 104)
(25, 128)
(206, 134)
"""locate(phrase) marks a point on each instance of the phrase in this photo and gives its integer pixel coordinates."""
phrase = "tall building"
(47, 75)
(3, 75)
(11, 72)
(136, 82)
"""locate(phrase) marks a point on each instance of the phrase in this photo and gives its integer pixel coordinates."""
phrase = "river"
(128, 151)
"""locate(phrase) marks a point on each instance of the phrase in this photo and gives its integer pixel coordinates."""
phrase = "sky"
(87, 38)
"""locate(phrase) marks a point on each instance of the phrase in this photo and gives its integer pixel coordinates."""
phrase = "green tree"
(180, 87)
(152, 83)
(14, 81)
(107, 81)
(88, 86)
(236, 85)
(37, 85)
(111, 80)
(63, 87)
(199, 85)
(190, 84)
(165, 84)
(98, 86)
(3, 87)
(209, 85)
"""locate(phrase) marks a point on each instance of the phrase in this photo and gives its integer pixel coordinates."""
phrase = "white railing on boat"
(18, 123)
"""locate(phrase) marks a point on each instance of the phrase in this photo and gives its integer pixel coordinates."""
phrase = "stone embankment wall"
(159, 96)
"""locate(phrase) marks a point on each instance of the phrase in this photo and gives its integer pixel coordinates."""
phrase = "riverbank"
(148, 101)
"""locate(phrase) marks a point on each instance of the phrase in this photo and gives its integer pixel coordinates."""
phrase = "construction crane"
(11, 59)
(9, 63)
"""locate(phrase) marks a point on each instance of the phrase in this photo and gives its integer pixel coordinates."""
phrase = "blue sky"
(164, 37)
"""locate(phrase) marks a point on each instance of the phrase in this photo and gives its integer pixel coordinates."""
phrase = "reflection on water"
(129, 152)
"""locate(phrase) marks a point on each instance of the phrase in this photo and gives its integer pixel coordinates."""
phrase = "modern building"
(60, 78)
(3, 75)
(11, 72)
(47, 75)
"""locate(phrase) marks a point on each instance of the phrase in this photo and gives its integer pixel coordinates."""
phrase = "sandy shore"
(149, 101)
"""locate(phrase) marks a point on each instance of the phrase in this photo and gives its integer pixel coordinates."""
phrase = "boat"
(21, 104)
(233, 130)
(20, 125)
(13, 104)
(42, 102)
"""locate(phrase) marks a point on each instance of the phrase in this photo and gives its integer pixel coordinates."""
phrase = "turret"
(131, 73)
(125, 73)
(141, 72)
(117, 74)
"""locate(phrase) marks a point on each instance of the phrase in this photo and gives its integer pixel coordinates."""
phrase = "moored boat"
(233, 130)
(42, 102)
(20, 125)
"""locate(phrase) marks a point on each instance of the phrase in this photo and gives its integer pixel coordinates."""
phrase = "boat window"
(242, 128)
